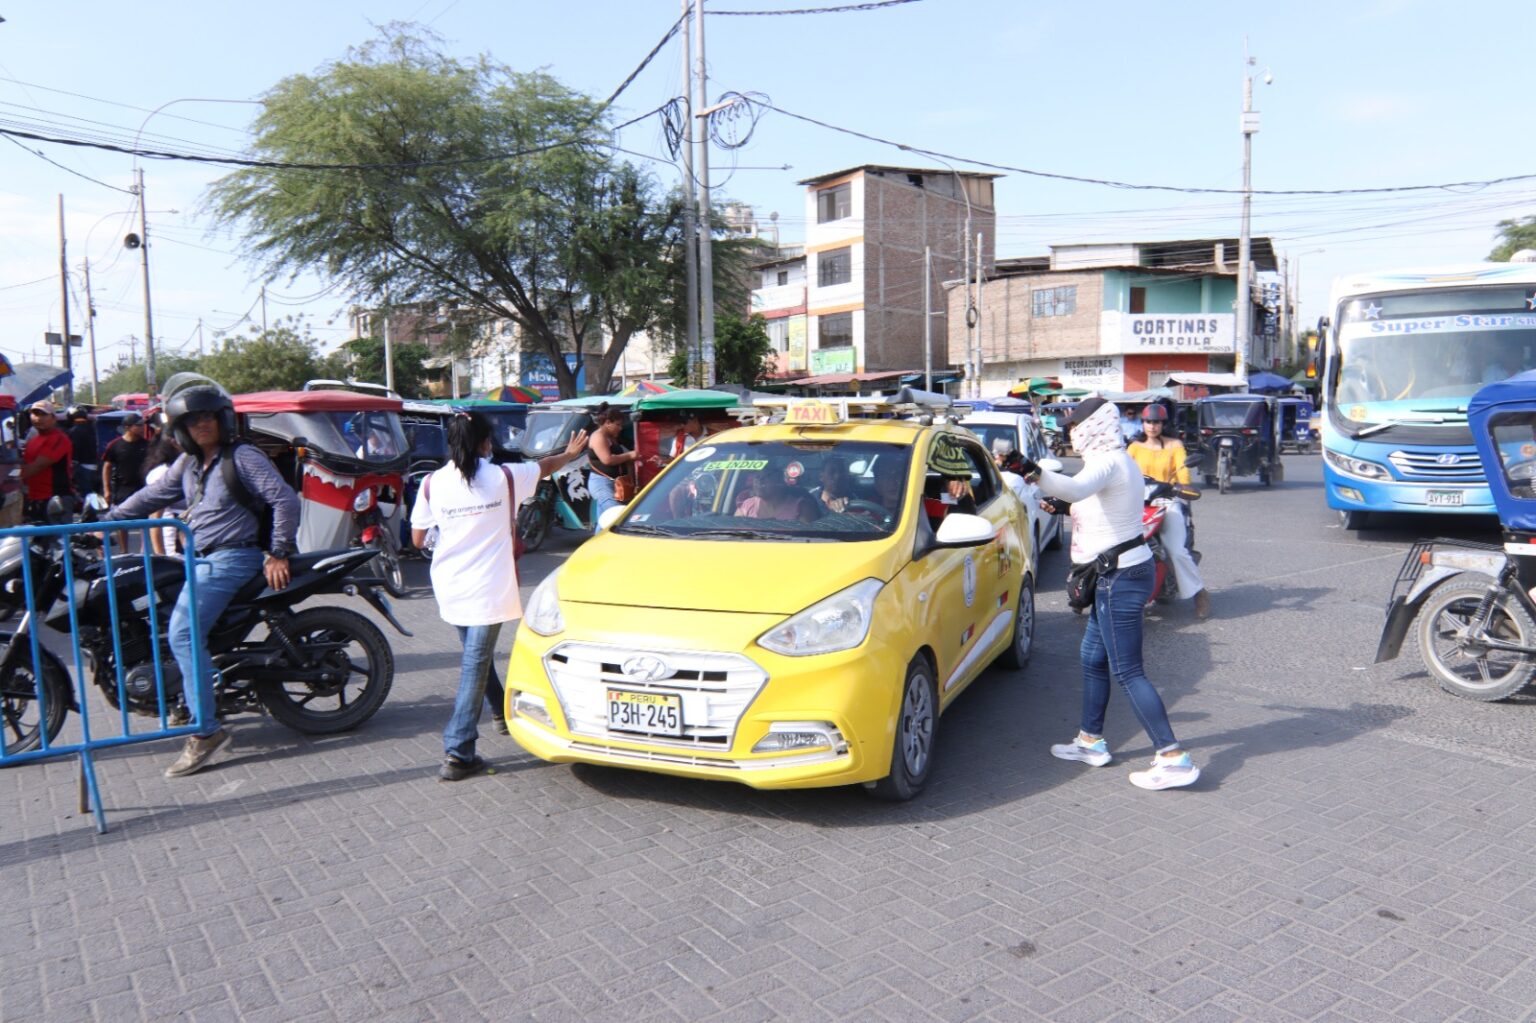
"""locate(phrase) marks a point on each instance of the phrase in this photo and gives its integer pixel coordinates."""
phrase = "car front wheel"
(916, 727)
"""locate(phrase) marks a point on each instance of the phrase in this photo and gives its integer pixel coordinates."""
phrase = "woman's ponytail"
(467, 434)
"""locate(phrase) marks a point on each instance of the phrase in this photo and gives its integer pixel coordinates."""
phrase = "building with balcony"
(866, 231)
(1112, 317)
(778, 296)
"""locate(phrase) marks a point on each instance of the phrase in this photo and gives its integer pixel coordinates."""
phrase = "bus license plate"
(647, 713)
(1445, 497)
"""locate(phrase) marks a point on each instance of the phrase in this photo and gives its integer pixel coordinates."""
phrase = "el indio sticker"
(698, 454)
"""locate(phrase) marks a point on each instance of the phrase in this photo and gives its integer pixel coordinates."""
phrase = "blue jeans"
(601, 489)
(1112, 647)
(219, 577)
(477, 681)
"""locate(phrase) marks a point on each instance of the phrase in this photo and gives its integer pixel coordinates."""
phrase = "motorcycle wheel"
(20, 718)
(1465, 669)
(343, 705)
(532, 526)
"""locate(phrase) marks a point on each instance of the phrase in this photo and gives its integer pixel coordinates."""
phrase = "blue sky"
(1366, 93)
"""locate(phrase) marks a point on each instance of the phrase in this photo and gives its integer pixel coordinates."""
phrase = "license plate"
(1445, 497)
(648, 713)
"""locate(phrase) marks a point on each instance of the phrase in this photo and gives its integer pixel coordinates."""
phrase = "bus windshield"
(1419, 356)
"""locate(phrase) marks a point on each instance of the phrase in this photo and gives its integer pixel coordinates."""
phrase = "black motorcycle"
(319, 670)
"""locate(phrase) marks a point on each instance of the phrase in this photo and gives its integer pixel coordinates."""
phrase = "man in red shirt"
(46, 462)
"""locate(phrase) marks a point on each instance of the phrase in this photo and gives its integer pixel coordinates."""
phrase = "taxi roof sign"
(815, 413)
(831, 411)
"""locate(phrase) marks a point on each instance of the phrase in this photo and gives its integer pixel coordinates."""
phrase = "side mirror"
(95, 503)
(961, 530)
(1053, 464)
(1194, 459)
(608, 518)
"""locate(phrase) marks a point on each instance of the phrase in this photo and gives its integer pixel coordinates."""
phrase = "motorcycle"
(319, 670)
(562, 499)
(1471, 604)
(1157, 498)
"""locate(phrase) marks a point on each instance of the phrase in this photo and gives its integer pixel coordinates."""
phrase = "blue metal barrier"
(56, 555)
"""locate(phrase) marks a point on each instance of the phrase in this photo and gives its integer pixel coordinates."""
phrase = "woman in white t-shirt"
(473, 504)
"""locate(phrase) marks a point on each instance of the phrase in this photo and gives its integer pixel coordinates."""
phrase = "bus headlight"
(1356, 466)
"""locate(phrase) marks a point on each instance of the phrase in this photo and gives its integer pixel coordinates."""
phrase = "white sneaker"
(1095, 754)
(1168, 771)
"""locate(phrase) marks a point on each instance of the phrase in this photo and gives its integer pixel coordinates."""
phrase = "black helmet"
(201, 398)
(76, 412)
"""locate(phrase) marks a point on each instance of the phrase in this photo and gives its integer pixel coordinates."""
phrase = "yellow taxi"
(787, 605)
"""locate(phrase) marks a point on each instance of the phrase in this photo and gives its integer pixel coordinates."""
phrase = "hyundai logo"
(1448, 459)
(647, 668)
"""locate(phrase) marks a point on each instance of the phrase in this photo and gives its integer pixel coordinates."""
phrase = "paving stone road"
(1358, 848)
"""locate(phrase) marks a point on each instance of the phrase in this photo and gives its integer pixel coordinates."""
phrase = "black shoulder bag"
(1083, 580)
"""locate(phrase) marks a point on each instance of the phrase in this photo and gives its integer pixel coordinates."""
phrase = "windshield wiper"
(641, 529)
(747, 533)
(1387, 424)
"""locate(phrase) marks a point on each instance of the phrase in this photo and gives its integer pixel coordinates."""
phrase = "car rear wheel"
(916, 726)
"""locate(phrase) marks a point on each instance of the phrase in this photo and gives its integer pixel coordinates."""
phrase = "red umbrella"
(640, 388)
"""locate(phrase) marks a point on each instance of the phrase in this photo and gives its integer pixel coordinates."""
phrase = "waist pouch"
(1083, 580)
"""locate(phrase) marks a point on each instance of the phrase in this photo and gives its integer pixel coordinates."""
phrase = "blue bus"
(1402, 353)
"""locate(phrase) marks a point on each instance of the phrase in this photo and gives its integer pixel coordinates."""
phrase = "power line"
(642, 66)
(1111, 183)
(873, 5)
(125, 106)
(70, 170)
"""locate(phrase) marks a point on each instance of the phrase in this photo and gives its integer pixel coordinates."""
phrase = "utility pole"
(1285, 310)
(133, 349)
(69, 381)
(199, 337)
(389, 349)
(927, 318)
(263, 308)
(980, 263)
(90, 329)
(151, 384)
(1249, 124)
(690, 216)
(706, 230)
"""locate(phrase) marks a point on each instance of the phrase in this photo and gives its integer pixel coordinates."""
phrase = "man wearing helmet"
(1162, 458)
(82, 441)
(225, 530)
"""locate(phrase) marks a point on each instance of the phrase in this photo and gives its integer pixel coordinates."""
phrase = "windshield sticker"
(1357, 413)
(1439, 324)
(641, 517)
(747, 464)
(698, 454)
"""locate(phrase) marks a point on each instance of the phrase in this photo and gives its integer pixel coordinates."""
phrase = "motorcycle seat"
(298, 565)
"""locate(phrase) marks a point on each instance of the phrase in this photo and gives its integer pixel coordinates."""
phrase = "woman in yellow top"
(1162, 458)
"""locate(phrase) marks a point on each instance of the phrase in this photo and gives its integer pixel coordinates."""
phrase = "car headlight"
(364, 500)
(542, 614)
(1357, 466)
(840, 622)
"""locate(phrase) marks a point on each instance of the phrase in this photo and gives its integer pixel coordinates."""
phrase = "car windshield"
(371, 436)
(426, 441)
(777, 490)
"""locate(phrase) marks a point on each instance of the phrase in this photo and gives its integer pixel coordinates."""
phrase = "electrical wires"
(872, 5)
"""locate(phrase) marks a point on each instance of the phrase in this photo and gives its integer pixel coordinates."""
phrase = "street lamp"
(1249, 124)
(972, 342)
(142, 240)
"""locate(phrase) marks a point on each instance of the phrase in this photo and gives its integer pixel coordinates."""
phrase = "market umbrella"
(32, 381)
(640, 388)
(514, 393)
(1034, 385)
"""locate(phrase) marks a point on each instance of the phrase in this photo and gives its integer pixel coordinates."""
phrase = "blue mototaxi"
(1485, 620)
(1295, 424)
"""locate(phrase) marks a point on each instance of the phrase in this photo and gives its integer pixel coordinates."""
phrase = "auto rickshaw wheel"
(1461, 665)
(1264, 477)
(532, 526)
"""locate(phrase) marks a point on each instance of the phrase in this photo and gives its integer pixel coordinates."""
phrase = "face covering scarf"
(1100, 432)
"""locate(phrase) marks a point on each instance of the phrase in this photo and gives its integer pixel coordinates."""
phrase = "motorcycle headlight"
(840, 622)
(1356, 466)
(542, 614)
(364, 500)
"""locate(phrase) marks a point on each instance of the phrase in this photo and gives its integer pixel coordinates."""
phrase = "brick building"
(866, 230)
(1113, 317)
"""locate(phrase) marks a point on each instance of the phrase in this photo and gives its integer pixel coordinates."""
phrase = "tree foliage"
(1514, 235)
(466, 180)
(743, 352)
(130, 378)
(281, 359)
(363, 359)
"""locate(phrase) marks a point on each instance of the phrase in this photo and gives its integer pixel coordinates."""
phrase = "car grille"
(716, 689)
(1467, 468)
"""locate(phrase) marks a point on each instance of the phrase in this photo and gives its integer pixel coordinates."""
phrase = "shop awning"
(1209, 379)
(845, 379)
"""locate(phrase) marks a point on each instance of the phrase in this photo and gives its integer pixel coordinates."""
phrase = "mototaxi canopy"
(688, 398)
(1502, 416)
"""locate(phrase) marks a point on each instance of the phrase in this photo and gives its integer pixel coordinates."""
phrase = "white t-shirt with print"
(474, 576)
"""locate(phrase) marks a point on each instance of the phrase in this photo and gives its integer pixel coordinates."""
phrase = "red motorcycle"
(1157, 498)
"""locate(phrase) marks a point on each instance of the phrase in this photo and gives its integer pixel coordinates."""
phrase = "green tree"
(363, 359)
(1514, 235)
(129, 378)
(281, 359)
(743, 352)
(464, 180)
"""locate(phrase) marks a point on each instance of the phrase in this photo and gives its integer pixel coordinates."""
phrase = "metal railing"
(50, 550)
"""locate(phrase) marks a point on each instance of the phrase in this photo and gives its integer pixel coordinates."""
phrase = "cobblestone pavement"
(1357, 849)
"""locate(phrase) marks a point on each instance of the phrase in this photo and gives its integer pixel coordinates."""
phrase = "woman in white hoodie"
(1106, 499)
